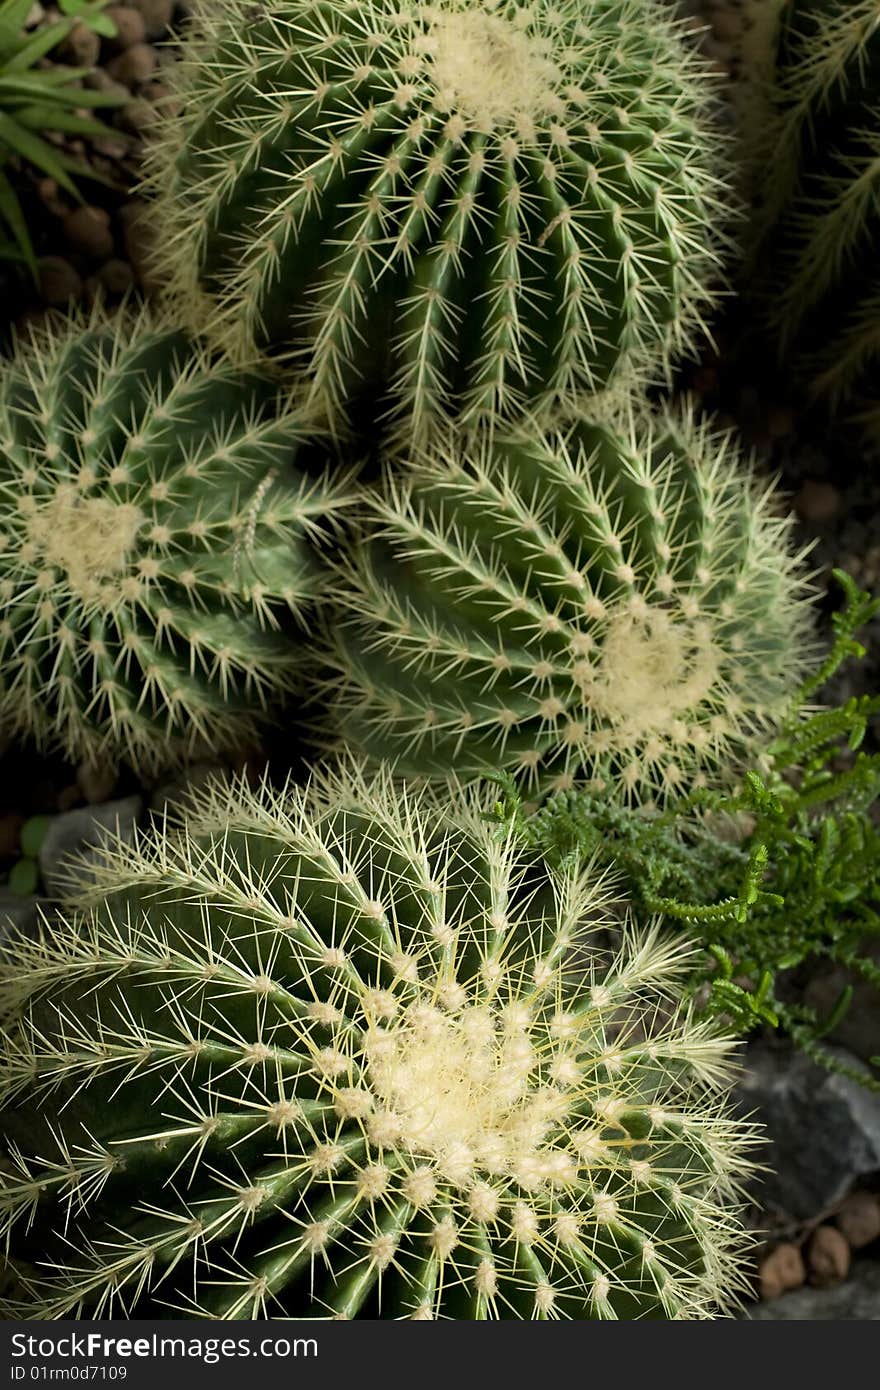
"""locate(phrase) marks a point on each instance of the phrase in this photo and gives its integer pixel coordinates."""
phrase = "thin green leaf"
(35, 150)
(46, 118)
(10, 211)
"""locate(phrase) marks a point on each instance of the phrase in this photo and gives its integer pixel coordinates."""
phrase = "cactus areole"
(351, 1054)
(475, 206)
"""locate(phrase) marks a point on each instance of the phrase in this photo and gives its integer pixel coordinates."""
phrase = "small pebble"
(163, 97)
(136, 65)
(817, 501)
(130, 26)
(157, 15)
(116, 276)
(138, 117)
(50, 196)
(110, 148)
(81, 47)
(859, 1219)
(70, 796)
(96, 782)
(782, 1269)
(828, 1257)
(100, 81)
(88, 230)
(59, 282)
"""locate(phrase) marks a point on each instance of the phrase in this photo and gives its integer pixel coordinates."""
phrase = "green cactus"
(821, 205)
(615, 603)
(347, 1052)
(476, 204)
(153, 526)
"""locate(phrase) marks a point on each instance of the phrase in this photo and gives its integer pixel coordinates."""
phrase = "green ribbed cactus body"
(616, 604)
(154, 525)
(821, 212)
(477, 205)
(350, 1055)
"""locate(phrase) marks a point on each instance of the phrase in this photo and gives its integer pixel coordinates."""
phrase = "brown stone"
(138, 117)
(859, 1219)
(116, 276)
(828, 1257)
(130, 27)
(50, 197)
(817, 501)
(81, 47)
(782, 1269)
(88, 230)
(136, 65)
(97, 782)
(59, 282)
(69, 797)
(157, 15)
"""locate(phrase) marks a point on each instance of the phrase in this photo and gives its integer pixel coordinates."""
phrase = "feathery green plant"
(821, 203)
(347, 1052)
(785, 871)
(479, 204)
(614, 603)
(35, 100)
(154, 524)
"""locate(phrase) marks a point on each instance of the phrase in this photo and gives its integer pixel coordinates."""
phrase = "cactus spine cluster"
(612, 603)
(479, 204)
(821, 206)
(341, 1054)
(154, 525)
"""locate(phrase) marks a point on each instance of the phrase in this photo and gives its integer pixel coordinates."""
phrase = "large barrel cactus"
(154, 523)
(346, 1053)
(477, 204)
(821, 204)
(616, 603)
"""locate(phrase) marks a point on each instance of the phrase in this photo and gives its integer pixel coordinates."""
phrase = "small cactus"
(346, 1053)
(476, 204)
(153, 526)
(615, 603)
(816, 267)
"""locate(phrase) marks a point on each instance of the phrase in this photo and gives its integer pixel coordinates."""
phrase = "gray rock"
(17, 912)
(823, 1129)
(856, 1300)
(78, 834)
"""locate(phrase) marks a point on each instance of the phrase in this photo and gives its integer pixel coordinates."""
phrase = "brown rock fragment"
(828, 1257)
(782, 1269)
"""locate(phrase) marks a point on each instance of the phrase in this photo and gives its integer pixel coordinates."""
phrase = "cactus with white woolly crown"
(615, 604)
(154, 525)
(821, 209)
(346, 1052)
(476, 204)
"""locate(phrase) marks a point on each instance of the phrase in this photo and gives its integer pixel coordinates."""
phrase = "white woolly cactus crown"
(347, 1052)
(154, 526)
(504, 204)
(614, 603)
